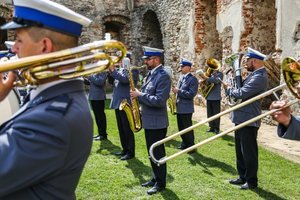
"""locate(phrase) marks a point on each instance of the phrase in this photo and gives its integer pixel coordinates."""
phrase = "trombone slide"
(165, 159)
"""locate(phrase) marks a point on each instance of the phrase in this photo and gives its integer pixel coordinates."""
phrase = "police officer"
(152, 98)
(246, 137)
(213, 100)
(121, 90)
(45, 145)
(97, 97)
(186, 90)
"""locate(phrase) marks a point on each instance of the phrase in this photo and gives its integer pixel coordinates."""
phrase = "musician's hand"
(225, 85)
(134, 93)
(175, 89)
(6, 85)
(283, 116)
(112, 68)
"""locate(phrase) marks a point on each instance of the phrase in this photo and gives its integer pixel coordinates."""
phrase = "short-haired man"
(43, 148)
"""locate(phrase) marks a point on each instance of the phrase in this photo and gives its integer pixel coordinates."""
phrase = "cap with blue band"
(47, 14)
(185, 62)
(252, 53)
(149, 51)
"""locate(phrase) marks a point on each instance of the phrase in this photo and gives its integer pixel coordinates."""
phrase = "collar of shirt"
(152, 71)
(42, 87)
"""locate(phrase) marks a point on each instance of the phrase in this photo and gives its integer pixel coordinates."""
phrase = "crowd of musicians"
(45, 145)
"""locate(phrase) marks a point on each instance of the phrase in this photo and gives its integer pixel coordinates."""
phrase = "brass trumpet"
(291, 74)
(87, 59)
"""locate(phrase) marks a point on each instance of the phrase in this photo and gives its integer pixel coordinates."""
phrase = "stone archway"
(118, 26)
(151, 33)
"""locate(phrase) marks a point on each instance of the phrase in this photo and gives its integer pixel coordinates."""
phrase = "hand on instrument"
(112, 68)
(175, 89)
(134, 93)
(283, 116)
(6, 84)
(225, 85)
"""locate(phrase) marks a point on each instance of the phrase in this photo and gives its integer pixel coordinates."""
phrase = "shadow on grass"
(139, 169)
(267, 195)
(169, 194)
(172, 143)
(108, 146)
(206, 163)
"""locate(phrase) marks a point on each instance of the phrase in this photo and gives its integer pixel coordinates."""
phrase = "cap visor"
(12, 25)
(145, 57)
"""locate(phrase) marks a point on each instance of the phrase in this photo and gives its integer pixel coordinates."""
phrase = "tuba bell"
(204, 87)
(233, 77)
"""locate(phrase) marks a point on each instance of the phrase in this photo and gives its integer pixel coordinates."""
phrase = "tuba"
(233, 76)
(133, 111)
(204, 87)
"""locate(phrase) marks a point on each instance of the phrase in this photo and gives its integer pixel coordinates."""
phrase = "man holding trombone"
(43, 147)
(246, 138)
(289, 125)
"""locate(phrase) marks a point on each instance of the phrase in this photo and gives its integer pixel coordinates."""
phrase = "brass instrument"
(89, 58)
(172, 103)
(133, 111)
(204, 87)
(291, 74)
(233, 76)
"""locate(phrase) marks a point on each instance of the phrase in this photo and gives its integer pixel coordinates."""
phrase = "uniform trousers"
(184, 121)
(125, 133)
(159, 172)
(213, 108)
(98, 107)
(247, 153)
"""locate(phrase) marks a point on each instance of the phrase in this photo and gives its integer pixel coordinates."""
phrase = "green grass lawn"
(203, 175)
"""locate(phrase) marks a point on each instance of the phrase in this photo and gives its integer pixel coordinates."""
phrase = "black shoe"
(121, 153)
(247, 186)
(96, 136)
(102, 137)
(127, 157)
(216, 131)
(150, 183)
(155, 189)
(181, 147)
(237, 181)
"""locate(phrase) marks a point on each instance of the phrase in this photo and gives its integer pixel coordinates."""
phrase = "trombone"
(291, 74)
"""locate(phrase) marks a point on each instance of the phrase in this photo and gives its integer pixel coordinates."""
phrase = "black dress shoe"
(102, 137)
(247, 186)
(150, 183)
(127, 157)
(96, 136)
(181, 147)
(237, 181)
(155, 189)
(121, 153)
(216, 131)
